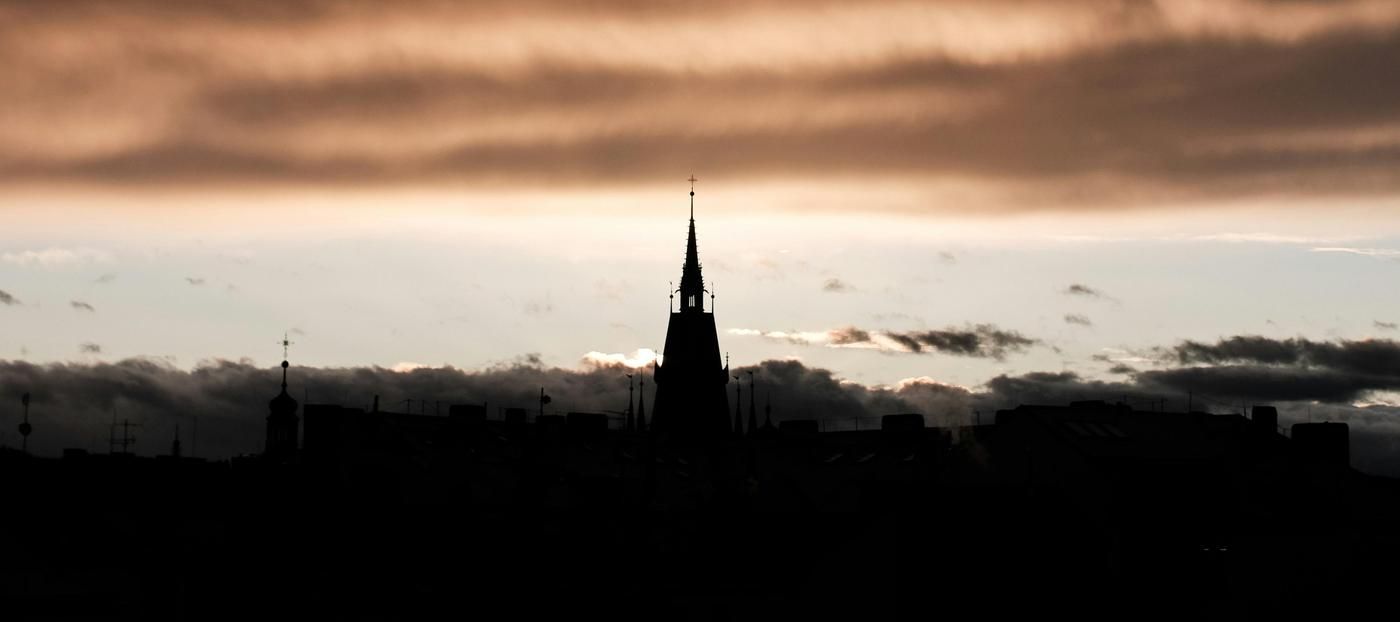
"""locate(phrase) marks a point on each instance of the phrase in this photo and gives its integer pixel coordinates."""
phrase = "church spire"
(286, 346)
(692, 288)
(282, 420)
(691, 403)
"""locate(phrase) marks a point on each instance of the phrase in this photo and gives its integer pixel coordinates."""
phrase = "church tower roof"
(691, 403)
(282, 421)
(283, 402)
(692, 289)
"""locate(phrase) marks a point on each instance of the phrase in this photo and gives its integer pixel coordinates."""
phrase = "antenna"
(125, 441)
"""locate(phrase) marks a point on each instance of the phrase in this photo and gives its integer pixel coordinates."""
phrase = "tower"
(691, 403)
(282, 420)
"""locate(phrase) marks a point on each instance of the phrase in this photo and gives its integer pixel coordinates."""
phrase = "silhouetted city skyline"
(352, 309)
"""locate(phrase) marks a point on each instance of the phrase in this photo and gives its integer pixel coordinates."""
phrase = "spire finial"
(692, 181)
(286, 346)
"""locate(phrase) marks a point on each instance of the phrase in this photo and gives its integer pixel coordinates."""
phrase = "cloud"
(90, 348)
(105, 278)
(1264, 383)
(794, 337)
(7, 299)
(1378, 253)
(1366, 356)
(980, 340)
(1078, 104)
(230, 398)
(848, 335)
(1263, 368)
(1078, 319)
(837, 286)
(1079, 289)
(1258, 237)
(638, 359)
(947, 258)
(53, 257)
(1383, 325)
(196, 281)
(82, 306)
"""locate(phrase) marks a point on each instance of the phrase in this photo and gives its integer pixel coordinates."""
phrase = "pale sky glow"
(427, 278)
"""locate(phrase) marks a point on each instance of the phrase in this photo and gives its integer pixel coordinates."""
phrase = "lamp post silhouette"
(630, 421)
(24, 427)
(738, 406)
(753, 406)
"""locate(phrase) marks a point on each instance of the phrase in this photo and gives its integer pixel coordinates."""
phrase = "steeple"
(282, 420)
(692, 289)
(691, 403)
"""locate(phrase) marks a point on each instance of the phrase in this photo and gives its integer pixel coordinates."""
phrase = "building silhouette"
(282, 422)
(691, 405)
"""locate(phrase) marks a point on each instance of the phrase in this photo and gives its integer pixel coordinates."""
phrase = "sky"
(1157, 197)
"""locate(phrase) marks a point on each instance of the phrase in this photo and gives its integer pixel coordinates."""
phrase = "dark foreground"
(1014, 519)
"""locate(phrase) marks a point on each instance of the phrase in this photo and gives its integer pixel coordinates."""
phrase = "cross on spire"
(692, 181)
(286, 345)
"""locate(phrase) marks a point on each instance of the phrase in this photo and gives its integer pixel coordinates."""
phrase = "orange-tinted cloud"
(1064, 103)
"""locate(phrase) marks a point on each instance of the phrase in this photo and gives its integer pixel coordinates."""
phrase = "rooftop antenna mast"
(126, 440)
